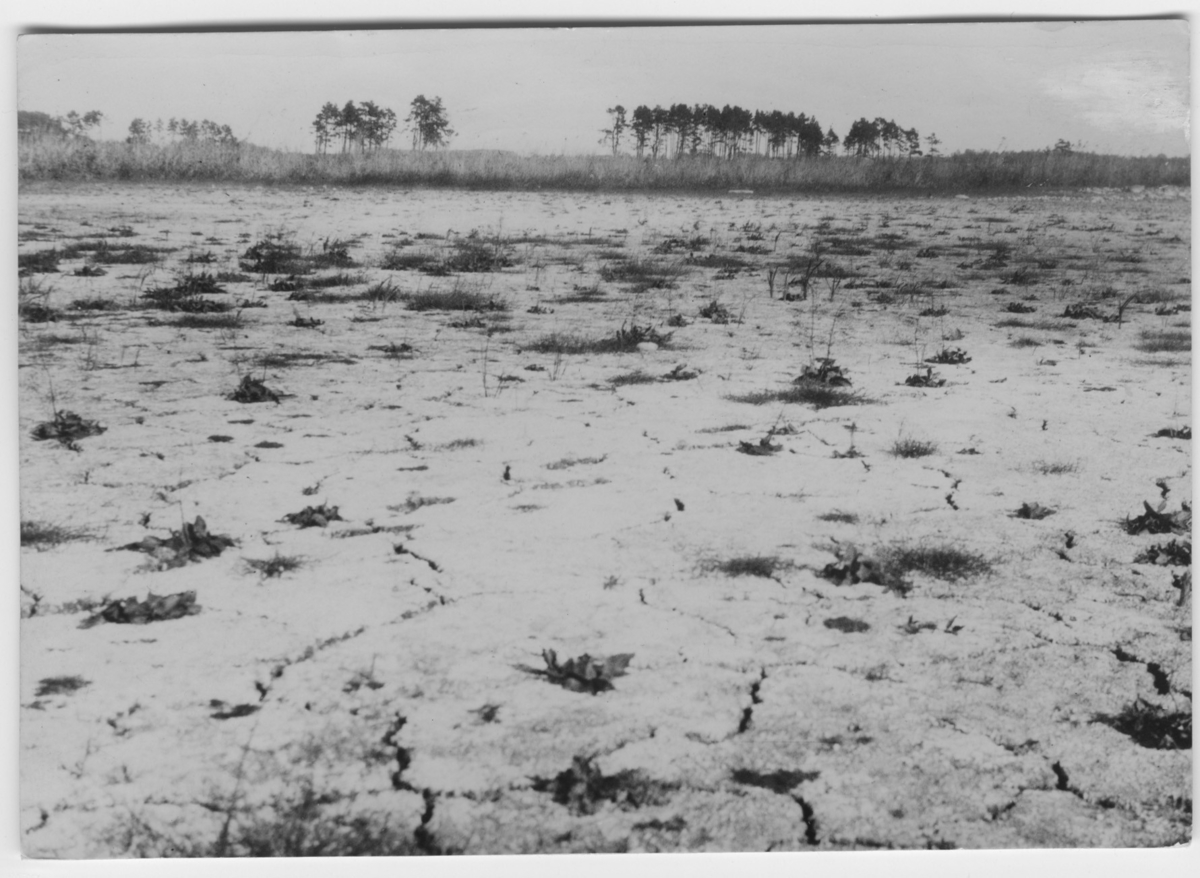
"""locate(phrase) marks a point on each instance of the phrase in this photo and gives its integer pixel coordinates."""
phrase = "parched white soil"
(381, 697)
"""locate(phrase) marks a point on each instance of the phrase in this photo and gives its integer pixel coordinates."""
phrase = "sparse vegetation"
(907, 446)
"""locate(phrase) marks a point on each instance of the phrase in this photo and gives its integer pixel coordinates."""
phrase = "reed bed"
(51, 158)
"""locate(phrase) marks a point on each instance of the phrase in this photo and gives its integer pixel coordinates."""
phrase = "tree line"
(31, 123)
(730, 131)
(367, 126)
(142, 131)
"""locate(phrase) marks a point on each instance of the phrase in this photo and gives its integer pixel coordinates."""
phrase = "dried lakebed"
(386, 522)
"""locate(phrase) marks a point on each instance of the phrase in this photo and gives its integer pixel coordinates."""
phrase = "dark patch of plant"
(1033, 512)
(716, 312)
(1019, 308)
(1157, 341)
(415, 501)
(681, 373)
(60, 685)
(1172, 554)
(642, 274)
(1173, 433)
(907, 446)
(582, 674)
(275, 566)
(38, 262)
(1155, 521)
(456, 299)
(1081, 311)
(273, 255)
(761, 448)
(847, 625)
(825, 372)
(253, 390)
(66, 428)
(839, 517)
(41, 534)
(949, 357)
(582, 788)
(781, 781)
(1152, 726)
(89, 271)
(94, 304)
(944, 562)
(155, 608)
(624, 340)
(764, 566)
(191, 543)
(635, 377)
(313, 516)
(819, 396)
(926, 380)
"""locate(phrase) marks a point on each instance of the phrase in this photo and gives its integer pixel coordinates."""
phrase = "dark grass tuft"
(60, 686)
(1055, 467)
(764, 566)
(41, 534)
(1151, 726)
(817, 395)
(1155, 341)
(625, 340)
(942, 561)
(1025, 341)
(209, 321)
(642, 274)
(635, 377)
(38, 262)
(839, 517)
(455, 300)
(275, 566)
(907, 446)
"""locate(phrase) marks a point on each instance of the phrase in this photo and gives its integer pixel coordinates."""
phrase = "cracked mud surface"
(382, 686)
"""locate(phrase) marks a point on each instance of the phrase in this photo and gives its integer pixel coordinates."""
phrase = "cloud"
(1124, 95)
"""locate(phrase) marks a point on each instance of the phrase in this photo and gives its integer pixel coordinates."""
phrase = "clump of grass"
(42, 535)
(275, 566)
(287, 359)
(1055, 467)
(458, 444)
(581, 296)
(907, 446)
(642, 274)
(60, 685)
(209, 321)
(941, 561)
(764, 566)
(635, 377)
(139, 254)
(1045, 325)
(625, 340)
(415, 501)
(274, 254)
(334, 253)
(38, 262)
(1151, 726)
(1154, 341)
(839, 517)
(418, 260)
(457, 299)
(33, 301)
(95, 304)
(817, 395)
(476, 255)
(1026, 341)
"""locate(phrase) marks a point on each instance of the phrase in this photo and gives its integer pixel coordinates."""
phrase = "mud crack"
(748, 712)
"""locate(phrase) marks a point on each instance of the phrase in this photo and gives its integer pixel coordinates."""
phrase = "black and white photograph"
(522, 436)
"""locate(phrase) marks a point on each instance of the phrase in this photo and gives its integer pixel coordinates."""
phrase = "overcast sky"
(1116, 86)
